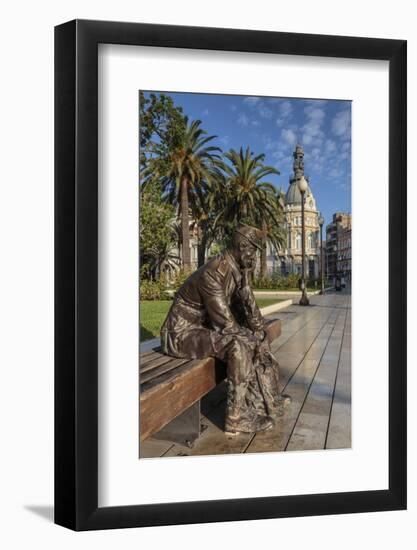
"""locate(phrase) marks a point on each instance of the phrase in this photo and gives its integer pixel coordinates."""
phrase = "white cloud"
(312, 133)
(265, 112)
(314, 159)
(243, 120)
(336, 172)
(329, 147)
(312, 129)
(285, 109)
(270, 144)
(316, 102)
(205, 112)
(341, 123)
(288, 136)
(233, 107)
(225, 140)
(251, 100)
(315, 114)
(257, 104)
(280, 155)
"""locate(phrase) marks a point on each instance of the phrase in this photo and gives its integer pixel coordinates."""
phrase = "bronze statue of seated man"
(214, 313)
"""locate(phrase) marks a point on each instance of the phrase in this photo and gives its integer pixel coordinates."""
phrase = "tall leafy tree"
(161, 128)
(156, 234)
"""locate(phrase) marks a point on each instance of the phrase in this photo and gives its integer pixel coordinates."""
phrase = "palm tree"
(207, 206)
(183, 173)
(251, 199)
(163, 260)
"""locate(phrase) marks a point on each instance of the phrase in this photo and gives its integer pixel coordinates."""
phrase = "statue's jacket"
(210, 310)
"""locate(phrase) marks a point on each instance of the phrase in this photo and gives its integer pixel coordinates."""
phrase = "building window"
(298, 241)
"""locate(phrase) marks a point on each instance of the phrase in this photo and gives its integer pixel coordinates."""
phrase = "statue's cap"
(252, 234)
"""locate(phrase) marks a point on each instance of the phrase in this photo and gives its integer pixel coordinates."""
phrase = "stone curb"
(289, 292)
(276, 307)
(284, 292)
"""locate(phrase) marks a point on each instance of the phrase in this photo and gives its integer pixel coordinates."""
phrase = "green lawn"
(263, 302)
(153, 313)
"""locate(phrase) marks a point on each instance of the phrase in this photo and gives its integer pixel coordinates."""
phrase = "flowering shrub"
(276, 282)
(153, 290)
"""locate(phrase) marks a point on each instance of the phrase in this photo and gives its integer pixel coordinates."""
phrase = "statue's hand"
(260, 335)
(246, 274)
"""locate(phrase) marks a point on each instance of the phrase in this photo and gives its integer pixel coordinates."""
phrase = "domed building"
(287, 261)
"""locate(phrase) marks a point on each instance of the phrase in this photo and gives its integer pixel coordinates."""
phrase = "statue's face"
(246, 254)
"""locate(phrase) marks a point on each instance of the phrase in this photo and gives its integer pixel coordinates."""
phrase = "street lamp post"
(321, 222)
(302, 186)
(336, 269)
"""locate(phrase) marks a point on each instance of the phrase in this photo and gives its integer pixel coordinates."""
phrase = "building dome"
(293, 195)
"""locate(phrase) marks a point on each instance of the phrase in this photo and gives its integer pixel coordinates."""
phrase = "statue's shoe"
(248, 425)
(284, 399)
(280, 405)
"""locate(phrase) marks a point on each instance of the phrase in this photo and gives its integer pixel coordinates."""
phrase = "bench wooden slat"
(151, 351)
(150, 358)
(157, 361)
(161, 369)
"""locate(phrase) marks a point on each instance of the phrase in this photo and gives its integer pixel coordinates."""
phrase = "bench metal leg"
(184, 429)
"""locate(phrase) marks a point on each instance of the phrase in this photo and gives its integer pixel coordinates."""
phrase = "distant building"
(338, 246)
(288, 260)
(344, 253)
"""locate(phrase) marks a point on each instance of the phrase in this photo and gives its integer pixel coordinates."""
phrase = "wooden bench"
(171, 390)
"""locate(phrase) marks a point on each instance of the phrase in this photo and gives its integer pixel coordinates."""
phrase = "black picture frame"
(76, 272)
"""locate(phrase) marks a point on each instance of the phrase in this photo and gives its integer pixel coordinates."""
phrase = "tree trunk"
(244, 213)
(202, 246)
(264, 266)
(185, 226)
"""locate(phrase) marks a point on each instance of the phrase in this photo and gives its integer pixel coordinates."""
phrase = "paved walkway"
(314, 353)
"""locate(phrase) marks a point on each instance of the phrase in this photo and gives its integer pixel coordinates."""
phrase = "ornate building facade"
(287, 261)
(338, 246)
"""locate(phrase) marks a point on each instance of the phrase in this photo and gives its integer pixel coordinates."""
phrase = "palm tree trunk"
(244, 212)
(264, 266)
(185, 226)
(202, 246)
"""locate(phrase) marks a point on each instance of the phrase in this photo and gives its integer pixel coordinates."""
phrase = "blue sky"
(273, 126)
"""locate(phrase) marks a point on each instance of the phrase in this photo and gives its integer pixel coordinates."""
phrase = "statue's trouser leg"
(239, 365)
(240, 371)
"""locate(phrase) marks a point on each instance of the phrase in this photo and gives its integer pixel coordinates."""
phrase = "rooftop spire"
(298, 164)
